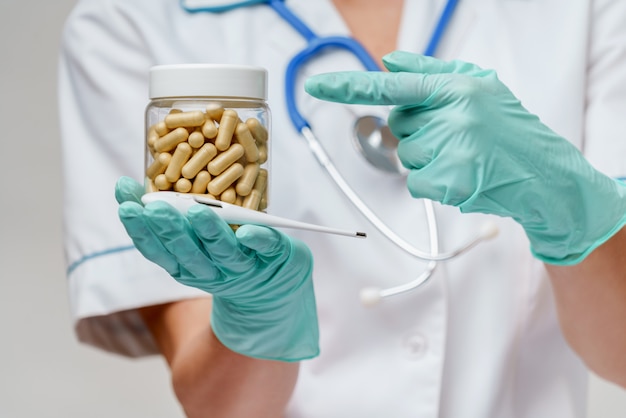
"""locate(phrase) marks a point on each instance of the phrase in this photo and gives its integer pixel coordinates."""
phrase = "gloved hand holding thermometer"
(260, 279)
(468, 142)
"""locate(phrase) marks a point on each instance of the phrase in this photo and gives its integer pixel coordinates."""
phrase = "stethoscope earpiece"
(489, 230)
(370, 296)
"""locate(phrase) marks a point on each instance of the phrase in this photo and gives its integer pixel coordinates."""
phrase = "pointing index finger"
(372, 87)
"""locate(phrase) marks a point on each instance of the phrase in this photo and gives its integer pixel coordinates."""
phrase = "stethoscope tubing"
(440, 27)
(313, 47)
(434, 255)
(315, 44)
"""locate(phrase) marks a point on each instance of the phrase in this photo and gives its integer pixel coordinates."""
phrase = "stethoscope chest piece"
(375, 142)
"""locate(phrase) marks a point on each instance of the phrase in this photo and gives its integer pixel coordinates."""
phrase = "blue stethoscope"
(316, 44)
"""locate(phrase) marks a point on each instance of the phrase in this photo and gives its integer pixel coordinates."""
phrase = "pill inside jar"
(233, 170)
(207, 132)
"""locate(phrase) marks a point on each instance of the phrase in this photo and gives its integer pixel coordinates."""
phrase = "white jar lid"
(212, 80)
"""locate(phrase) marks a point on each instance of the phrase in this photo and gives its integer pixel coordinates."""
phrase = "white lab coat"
(481, 339)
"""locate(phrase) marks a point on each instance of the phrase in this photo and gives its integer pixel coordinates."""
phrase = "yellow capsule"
(182, 185)
(196, 139)
(171, 140)
(225, 159)
(257, 129)
(199, 160)
(262, 153)
(215, 111)
(179, 158)
(263, 202)
(162, 183)
(238, 201)
(209, 129)
(161, 128)
(159, 165)
(228, 123)
(201, 182)
(151, 138)
(244, 137)
(261, 182)
(224, 180)
(253, 200)
(247, 179)
(150, 186)
(186, 119)
(229, 195)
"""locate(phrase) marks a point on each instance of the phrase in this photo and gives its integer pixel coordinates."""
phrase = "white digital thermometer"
(237, 215)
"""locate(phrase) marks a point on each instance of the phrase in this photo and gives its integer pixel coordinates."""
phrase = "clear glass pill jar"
(208, 132)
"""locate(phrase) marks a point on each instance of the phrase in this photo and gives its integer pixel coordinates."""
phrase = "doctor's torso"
(481, 338)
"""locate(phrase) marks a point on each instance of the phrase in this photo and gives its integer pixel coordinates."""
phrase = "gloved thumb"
(374, 88)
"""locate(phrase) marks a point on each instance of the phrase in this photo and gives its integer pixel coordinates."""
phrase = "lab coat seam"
(96, 254)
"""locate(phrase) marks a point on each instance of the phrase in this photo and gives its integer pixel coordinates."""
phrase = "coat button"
(415, 345)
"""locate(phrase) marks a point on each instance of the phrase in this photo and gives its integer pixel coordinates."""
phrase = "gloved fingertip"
(199, 212)
(166, 221)
(160, 208)
(406, 61)
(163, 217)
(262, 239)
(355, 87)
(127, 189)
(309, 83)
(207, 222)
(128, 210)
(249, 233)
(336, 86)
(314, 84)
(130, 214)
(391, 60)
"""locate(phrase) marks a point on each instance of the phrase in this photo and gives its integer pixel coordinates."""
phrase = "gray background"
(45, 372)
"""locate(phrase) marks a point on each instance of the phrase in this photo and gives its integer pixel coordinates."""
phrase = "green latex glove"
(260, 279)
(468, 142)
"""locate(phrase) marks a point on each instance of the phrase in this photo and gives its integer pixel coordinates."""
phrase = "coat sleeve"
(102, 93)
